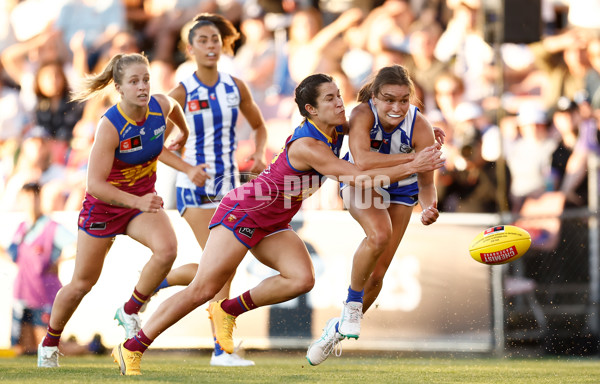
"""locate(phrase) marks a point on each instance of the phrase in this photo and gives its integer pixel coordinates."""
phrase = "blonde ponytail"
(113, 71)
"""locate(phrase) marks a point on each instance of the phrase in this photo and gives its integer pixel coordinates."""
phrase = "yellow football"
(500, 244)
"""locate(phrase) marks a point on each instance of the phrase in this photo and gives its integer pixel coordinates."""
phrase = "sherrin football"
(500, 244)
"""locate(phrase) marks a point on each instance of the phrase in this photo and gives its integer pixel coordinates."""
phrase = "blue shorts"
(392, 196)
(398, 198)
(191, 198)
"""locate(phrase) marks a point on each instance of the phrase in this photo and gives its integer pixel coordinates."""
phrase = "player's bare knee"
(78, 289)
(379, 239)
(199, 294)
(165, 257)
(303, 283)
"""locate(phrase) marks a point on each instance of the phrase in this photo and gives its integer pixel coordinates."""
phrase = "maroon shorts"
(104, 220)
(243, 227)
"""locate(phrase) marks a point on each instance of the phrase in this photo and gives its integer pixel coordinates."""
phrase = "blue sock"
(218, 349)
(355, 295)
(162, 285)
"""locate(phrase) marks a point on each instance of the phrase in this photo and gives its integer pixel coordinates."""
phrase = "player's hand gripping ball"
(500, 244)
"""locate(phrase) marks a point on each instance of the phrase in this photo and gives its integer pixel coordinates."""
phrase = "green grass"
(284, 368)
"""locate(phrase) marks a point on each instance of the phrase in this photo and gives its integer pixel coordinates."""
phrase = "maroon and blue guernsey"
(133, 169)
(275, 196)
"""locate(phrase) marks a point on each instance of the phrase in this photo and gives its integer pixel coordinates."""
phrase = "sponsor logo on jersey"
(132, 144)
(197, 105)
(157, 132)
(375, 144)
(248, 232)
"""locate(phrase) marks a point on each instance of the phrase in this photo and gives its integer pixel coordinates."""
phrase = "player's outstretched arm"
(308, 153)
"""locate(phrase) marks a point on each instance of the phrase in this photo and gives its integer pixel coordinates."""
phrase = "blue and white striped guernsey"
(397, 141)
(211, 114)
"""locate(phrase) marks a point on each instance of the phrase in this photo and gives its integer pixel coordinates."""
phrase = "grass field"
(284, 368)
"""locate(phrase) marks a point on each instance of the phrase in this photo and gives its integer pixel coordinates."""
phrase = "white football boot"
(131, 323)
(329, 342)
(47, 357)
(350, 320)
(229, 360)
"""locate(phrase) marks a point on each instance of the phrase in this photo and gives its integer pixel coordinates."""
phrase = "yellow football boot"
(129, 361)
(223, 324)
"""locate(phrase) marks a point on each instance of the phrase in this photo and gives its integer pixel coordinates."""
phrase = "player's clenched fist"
(150, 202)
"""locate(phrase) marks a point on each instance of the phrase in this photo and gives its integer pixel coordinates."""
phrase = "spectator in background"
(529, 155)
(71, 192)
(34, 163)
(595, 105)
(23, 59)
(313, 48)
(97, 21)
(565, 119)
(122, 42)
(386, 26)
(54, 112)
(469, 116)
(13, 121)
(380, 40)
(563, 60)
(578, 140)
(7, 33)
(37, 247)
(592, 76)
(137, 15)
(467, 183)
(255, 60)
(449, 91)
(463, 45)
(30, 18)
(421, 63)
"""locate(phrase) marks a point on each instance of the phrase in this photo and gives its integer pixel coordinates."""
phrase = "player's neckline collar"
(329, 138)
(129, 119)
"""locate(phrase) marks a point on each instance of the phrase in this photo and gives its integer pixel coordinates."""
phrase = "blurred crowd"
(521, 119)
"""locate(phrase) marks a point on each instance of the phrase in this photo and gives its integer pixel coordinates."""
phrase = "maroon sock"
(238, 305)
(136, 302)
(139, 342)
(52, 338)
